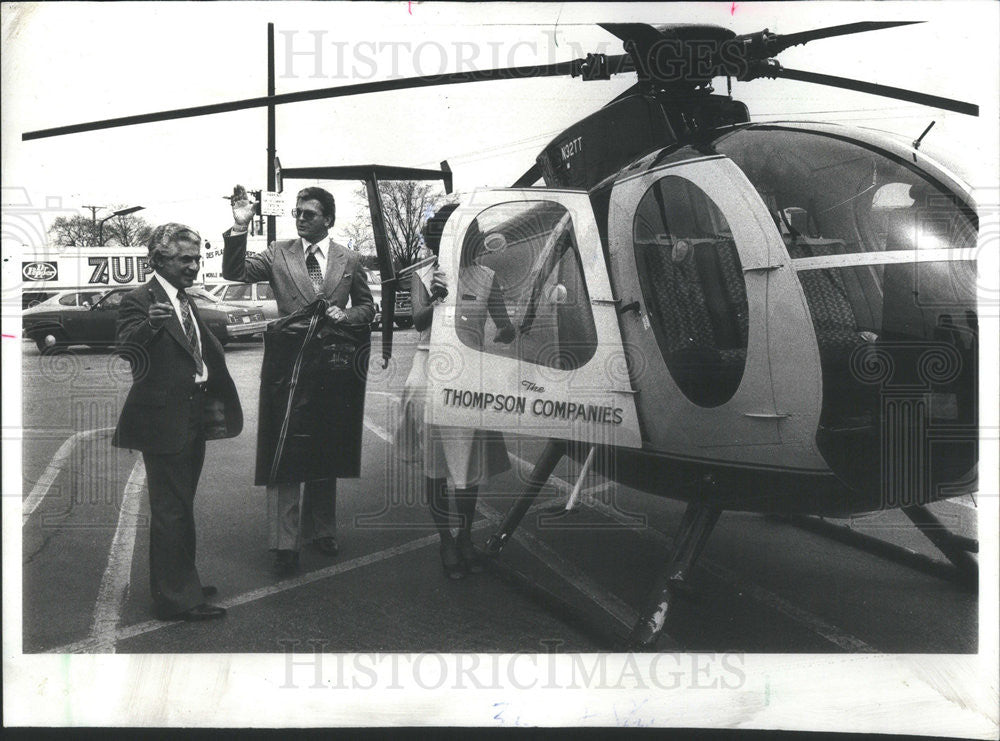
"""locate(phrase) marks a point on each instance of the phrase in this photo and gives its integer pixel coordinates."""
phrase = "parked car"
(403, 314)
(75, 298)
(61, 326)
(375, 286)
(33, 298)
(404, 309)
(250, 296)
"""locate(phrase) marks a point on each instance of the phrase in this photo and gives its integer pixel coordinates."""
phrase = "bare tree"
(406, 205)
(359, 233)
(73, 231)
(128, 230)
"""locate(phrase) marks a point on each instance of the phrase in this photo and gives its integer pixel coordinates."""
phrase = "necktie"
(312, 265)
(188, 321)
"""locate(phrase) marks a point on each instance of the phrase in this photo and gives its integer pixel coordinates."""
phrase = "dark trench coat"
(312, 398)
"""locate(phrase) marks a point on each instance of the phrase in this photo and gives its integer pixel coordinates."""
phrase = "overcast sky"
(67, 63)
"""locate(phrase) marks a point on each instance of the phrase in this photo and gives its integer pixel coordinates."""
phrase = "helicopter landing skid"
(695, 527)
(955, 548)
(551, 455)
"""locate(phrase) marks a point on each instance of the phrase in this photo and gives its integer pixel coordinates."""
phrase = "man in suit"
(300, 271)
(181, 395)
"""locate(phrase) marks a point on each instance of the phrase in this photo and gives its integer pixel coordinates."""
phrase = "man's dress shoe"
(203, 611)
(328, 545)
(286, 562)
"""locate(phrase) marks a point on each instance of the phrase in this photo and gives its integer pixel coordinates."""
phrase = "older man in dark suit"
(181, 395)
(300, 271)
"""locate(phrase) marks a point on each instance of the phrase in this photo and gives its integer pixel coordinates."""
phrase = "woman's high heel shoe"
(470, 556)
(451, 560)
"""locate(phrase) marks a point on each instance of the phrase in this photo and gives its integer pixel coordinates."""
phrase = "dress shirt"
(171, 291)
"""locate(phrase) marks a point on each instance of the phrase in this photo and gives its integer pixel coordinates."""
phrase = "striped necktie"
(312, 265)
(188, 322)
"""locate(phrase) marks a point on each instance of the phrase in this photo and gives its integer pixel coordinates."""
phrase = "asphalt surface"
(570, 582)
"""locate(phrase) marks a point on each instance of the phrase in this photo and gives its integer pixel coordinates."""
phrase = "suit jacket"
(156, 417)
(283, 264)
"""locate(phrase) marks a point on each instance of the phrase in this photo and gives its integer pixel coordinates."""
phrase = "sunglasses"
(298, 213)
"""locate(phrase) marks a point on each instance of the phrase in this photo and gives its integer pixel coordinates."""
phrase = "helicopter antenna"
(916, 142)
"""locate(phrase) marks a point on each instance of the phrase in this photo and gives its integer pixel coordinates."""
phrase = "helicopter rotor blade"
(584, 67)
(885, 91)
(774, 44)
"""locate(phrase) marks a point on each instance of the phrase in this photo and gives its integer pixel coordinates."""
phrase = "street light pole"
(122, 212)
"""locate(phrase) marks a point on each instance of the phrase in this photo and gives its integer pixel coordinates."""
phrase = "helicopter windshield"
(885, 258)
(832, 196)
(521, 290)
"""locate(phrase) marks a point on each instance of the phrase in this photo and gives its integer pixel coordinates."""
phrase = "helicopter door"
(696, 257)
(527, 340)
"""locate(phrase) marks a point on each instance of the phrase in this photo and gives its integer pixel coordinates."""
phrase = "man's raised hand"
(159, 313)
(243, 206)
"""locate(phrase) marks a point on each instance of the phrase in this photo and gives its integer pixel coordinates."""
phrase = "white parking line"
(105, 633)
(378, 430)
(150, 626)
(813, 622)
(54, 468)
(115, 583)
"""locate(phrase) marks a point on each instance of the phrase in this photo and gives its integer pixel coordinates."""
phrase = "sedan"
(403, 307)
(249, 296)
(74, 298)
(62, 326)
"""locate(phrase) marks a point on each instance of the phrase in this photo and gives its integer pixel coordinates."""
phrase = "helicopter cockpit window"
(897, 333)
(692, 282)
(521, 288)
(829, 196)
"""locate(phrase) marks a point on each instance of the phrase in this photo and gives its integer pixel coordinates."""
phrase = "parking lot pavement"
(761, 586)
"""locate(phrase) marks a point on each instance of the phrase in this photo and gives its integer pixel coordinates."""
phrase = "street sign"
(272, 204)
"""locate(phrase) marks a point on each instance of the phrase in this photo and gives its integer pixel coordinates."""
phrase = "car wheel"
(404, 322)
(51, 341)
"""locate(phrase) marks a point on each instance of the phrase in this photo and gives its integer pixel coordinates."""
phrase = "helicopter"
(760, 317)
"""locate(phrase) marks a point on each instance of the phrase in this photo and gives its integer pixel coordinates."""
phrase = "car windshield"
(111, 300)
(200, 294)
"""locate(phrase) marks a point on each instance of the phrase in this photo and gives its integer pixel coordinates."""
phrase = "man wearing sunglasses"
(300, 271)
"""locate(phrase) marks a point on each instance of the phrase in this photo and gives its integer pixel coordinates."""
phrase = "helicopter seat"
(835, 296)
(837, 330)
(699, 307)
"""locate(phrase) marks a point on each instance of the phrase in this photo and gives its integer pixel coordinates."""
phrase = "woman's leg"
(437, 500)
(465, 503)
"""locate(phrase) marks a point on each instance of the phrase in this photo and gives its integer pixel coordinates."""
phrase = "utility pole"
(93, 216)
(271, 153)
(93, 212)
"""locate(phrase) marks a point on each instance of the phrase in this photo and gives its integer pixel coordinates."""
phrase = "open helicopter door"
(731, 371)
(527, 340)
